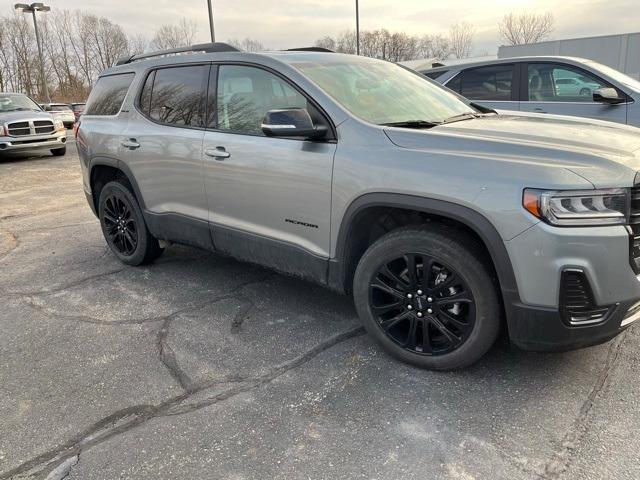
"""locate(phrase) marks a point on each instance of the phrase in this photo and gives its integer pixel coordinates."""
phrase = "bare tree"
(326, 42)
(461, 39)
(173, 36)
(248, 45)
(518, 29)
(434, 46)
(138, 43)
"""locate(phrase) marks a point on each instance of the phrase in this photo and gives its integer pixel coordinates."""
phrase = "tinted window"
(176, 95)
(555, 82)
(108, 94)
(434, 75)
(485, 83)
(245, 94)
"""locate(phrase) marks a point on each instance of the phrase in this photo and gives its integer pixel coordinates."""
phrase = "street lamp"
(33, 8)
(357, 29)
(213, 35)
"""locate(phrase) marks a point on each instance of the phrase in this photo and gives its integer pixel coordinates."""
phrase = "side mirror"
(291, 122)
(607, 95)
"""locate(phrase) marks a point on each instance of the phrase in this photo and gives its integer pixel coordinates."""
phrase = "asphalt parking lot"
(199, 366)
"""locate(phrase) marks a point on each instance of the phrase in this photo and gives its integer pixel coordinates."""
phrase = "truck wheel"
(59, 152)
(123, 226)
(426, 296)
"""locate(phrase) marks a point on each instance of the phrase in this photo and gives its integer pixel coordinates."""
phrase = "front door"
(269, 198)
(563, 89)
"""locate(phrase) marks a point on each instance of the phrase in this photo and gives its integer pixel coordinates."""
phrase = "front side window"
(382, 92)
(554, 82)
(246, 94)
(494, 82)
(108, 94)
(176, 95)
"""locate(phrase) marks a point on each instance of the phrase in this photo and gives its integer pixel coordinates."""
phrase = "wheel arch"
(342, 265)
(105, 169)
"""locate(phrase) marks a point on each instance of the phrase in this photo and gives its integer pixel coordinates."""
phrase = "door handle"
(219, 153)
(130, 143)
(539, 110)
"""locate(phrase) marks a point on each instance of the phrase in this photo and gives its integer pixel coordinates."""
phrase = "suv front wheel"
(123, 226)
(426, 296)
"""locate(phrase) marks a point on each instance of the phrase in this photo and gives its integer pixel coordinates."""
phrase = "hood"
(6, 117)
(604, 153)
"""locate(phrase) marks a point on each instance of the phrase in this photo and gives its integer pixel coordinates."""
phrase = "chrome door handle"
(130, 143)
(218, 153)
(539, 110)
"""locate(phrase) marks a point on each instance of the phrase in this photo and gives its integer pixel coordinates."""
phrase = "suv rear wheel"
(424, 294)
(123, 226)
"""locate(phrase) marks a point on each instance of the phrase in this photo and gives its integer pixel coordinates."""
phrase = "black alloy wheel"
(422, 304)
(120, 224)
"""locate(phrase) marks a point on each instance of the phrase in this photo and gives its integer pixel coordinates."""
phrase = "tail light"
(76, 127)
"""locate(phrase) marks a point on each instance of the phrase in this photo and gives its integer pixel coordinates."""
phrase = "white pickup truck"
(24, 126)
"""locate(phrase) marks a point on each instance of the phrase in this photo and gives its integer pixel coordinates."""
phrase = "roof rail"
(309, 49)
(202, 47)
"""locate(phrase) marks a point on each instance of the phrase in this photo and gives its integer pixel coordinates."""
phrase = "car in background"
(542, 84)
(24, 126)
(62, 111)
(77, 109)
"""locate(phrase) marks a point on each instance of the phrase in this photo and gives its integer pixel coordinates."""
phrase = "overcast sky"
(289, 23)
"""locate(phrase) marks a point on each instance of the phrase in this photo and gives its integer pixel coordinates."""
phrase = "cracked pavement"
(198, 366)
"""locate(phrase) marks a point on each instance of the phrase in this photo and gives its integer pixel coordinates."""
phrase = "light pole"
(357, 29)
(213, 35)
(32, 9)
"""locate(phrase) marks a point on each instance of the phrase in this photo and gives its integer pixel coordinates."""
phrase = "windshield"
(13, 103)
(615, 75)
(382, 92)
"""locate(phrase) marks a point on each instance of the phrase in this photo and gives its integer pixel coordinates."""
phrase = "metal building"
(621, 52)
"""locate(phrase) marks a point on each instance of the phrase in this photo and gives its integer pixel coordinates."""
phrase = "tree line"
(78, 45)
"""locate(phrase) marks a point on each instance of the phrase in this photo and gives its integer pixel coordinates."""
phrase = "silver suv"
(443, 220)
(24, 126)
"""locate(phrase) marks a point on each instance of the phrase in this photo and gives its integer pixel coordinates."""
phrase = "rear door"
(162, 145)
(565, 89)
(269, 198)
(492, 86)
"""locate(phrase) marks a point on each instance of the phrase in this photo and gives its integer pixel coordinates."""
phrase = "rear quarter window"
(434, 75)
(108, 94)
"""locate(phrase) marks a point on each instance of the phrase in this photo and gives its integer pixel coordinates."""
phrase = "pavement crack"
(129, 418)
(561, 458)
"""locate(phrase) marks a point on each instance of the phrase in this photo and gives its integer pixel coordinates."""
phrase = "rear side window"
(493, 82)
(108, 94)
(176, 95)
(434, 75)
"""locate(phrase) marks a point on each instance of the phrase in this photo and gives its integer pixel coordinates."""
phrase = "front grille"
(31, 127)
(17, 129)
(576, 300)
(634, 224)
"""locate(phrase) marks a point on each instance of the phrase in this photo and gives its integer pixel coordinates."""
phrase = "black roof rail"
(309, 49)
(202, 47)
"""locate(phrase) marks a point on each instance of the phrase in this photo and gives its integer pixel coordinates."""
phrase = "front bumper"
(33, 142)
(540, 255)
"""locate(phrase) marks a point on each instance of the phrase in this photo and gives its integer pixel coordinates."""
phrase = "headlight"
(576, 208)
(58, 124)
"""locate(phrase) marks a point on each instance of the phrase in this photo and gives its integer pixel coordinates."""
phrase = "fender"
(124, 168)
(475, 221)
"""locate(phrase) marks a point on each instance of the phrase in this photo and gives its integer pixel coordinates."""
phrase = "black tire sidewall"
(459, 255)
(139, 255)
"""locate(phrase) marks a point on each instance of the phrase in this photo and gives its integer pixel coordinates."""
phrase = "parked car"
(24, 126)
(441, 219)
(77, 109)
(62, 111)
(558, 85)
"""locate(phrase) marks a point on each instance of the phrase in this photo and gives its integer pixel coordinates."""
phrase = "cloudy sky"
(288, 23)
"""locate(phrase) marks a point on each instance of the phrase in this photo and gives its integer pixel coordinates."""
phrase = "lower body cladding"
(33, 142)
(576, 286)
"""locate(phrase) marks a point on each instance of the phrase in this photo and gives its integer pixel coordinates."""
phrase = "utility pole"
(213, 35)
(357, 29)
(33, 8)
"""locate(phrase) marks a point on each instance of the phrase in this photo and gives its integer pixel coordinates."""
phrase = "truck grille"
(634, 224)
(30, 127)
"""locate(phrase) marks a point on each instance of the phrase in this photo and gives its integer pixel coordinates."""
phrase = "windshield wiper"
(462, 116)
(412, 124)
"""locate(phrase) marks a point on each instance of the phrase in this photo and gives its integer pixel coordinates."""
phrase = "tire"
(59, 152)
(429, 330)
(123, 226)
